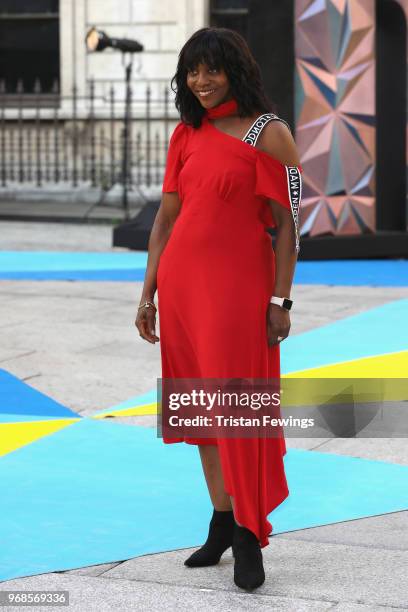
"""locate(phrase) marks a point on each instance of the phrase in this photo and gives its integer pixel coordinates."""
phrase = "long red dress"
(214, 280)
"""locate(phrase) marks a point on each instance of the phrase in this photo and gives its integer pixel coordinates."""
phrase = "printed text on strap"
(293, 175)
(258, 125)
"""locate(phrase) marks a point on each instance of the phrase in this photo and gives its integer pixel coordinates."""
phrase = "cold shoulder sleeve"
(281, 183)
(174, 161)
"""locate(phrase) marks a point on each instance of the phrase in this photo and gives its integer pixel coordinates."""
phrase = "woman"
(215, 271)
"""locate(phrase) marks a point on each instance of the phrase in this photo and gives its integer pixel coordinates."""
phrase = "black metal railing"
(79, 140)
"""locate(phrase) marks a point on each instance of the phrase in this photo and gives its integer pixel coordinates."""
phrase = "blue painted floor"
(101, 492)
(20, 402)
(376, 331)
(130, 266)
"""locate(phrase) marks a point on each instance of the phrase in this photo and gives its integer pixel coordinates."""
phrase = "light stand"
(126, 134)
(97, 40)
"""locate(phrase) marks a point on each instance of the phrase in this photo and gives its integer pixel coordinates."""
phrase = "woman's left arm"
(278, 142)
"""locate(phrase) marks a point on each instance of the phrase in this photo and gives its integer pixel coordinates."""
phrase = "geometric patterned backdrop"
(335, 114)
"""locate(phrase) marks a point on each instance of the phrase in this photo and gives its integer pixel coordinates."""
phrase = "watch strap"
(282, 301)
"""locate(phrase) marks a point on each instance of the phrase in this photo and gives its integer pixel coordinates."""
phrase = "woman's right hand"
(146, 323)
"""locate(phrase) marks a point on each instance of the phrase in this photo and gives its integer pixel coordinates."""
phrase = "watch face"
(287, 304)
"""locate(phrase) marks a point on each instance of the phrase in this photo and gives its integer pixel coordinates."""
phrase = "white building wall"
(162, 26)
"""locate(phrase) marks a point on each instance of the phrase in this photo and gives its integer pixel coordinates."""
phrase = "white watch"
(286, 303)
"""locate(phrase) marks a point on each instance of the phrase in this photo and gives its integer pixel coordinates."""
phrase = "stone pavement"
(76, 342)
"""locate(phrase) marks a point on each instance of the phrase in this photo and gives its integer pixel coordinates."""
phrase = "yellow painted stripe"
(16, 435)
(390, 365)
(132, 411)
(378, 378)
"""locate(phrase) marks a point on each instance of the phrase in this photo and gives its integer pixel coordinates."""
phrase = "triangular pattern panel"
(335, 130)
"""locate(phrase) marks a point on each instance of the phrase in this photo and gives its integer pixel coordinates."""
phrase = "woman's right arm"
(162, 227)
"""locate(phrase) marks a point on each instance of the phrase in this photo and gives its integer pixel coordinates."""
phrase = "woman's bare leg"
(210, 460)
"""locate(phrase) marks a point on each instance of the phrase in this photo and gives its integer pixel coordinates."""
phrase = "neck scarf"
(222, 110)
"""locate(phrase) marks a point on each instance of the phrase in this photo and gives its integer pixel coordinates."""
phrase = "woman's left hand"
(278, 324)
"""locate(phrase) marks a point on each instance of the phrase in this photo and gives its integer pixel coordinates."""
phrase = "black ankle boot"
(220, 535)
(248, 567)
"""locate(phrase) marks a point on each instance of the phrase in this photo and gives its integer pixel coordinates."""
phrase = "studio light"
(97, 40)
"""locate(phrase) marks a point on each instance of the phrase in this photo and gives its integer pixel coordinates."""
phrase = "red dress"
(215, 279)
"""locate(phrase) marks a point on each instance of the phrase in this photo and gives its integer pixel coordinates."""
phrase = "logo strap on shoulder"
(258, 125)
(293, 175)
(294, 179)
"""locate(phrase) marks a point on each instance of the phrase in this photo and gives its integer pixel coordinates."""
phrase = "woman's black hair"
(226, 49)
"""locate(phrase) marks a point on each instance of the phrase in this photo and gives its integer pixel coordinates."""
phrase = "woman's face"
(209, 85)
